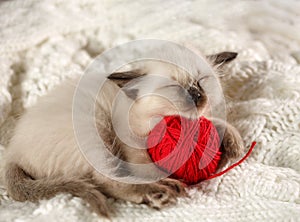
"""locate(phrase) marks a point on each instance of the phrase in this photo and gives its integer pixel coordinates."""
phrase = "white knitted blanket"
(43, 42)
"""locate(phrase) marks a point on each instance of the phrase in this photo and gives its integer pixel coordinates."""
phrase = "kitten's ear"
(122, 78)
(222, 58)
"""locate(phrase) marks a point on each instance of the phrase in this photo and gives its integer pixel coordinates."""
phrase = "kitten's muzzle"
(196, 96)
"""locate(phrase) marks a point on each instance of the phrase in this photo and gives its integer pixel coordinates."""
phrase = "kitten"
(43, 158)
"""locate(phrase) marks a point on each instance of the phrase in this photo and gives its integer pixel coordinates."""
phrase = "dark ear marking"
(121, 78)
(222, 57)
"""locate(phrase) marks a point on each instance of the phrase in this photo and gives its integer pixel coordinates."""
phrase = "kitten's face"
(170, 90)
(163, 89)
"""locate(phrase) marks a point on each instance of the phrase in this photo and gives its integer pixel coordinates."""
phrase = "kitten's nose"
(195, 95)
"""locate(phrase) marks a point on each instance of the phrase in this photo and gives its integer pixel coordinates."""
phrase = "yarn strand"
(235, 164)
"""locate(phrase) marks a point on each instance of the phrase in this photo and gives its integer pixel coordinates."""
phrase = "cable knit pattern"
(44, 42)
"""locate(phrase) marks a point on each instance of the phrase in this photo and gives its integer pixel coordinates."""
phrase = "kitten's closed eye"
(202, 80)
(171, 86)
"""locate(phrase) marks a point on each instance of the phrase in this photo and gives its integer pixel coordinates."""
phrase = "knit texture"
(44, 42)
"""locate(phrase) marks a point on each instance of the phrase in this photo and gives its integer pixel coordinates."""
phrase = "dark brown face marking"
(197, 95)
(131, 93)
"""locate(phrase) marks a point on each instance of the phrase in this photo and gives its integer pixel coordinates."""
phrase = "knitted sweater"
(44, 42)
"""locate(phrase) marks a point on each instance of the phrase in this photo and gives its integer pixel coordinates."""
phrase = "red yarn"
(182, 146)
(188, 149)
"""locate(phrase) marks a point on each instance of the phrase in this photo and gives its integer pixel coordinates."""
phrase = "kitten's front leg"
(232, 146)
(146, 169)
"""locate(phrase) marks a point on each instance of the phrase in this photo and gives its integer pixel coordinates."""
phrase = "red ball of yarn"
(187, 149)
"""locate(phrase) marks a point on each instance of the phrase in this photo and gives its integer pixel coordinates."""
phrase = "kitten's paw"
(158, 195)
(175, 185)
(232, 146)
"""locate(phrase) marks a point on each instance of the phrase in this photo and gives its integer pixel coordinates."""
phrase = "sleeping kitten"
(43, 158)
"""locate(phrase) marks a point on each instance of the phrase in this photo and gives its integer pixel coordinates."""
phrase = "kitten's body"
(50, 124)
(43, 157)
